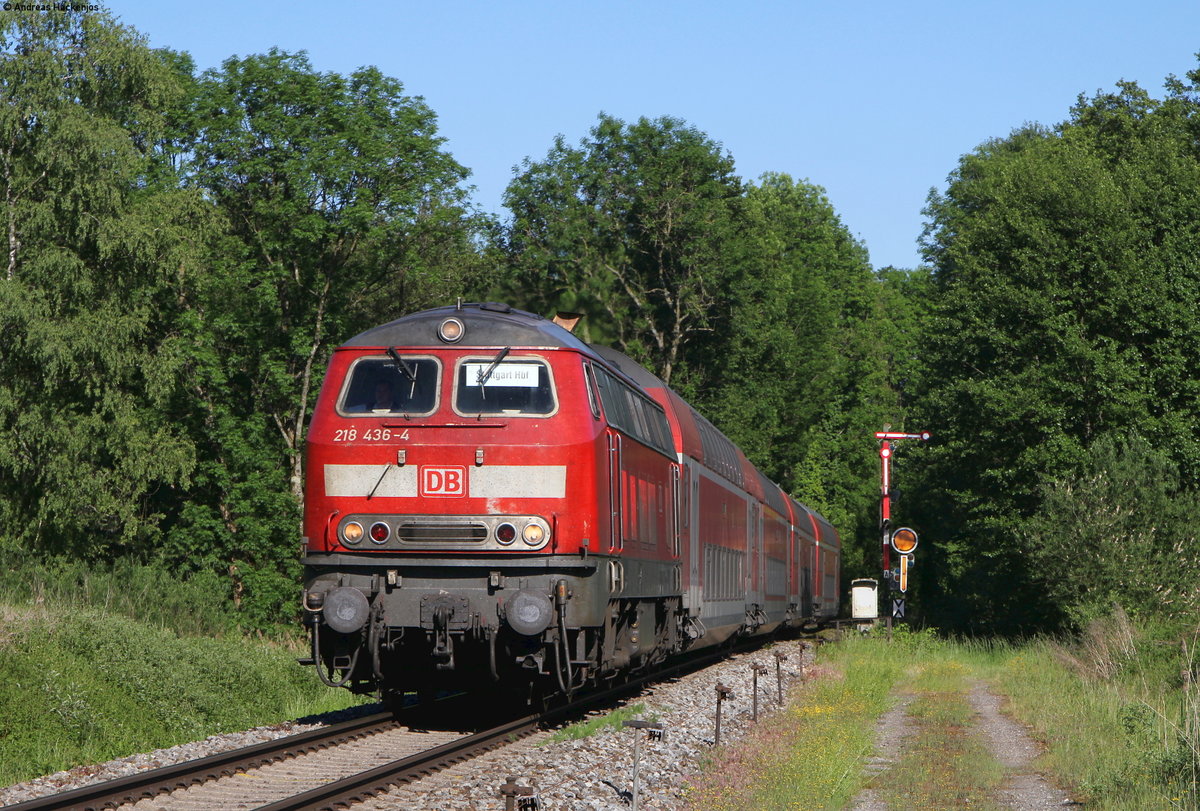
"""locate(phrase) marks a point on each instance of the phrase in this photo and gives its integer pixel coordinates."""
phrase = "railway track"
(293, 772)
(324, 768)
(363, 757)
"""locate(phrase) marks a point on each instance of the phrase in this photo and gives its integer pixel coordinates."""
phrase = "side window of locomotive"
(589, 382)
(634, 413)
(379, 386)
(518, 386)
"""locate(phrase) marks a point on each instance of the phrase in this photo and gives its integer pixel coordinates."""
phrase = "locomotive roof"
(494, 324)
(487, 324)
(629, 367)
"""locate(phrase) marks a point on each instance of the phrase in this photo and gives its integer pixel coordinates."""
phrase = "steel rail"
(151, 783)
(366, 784)
(336, 795)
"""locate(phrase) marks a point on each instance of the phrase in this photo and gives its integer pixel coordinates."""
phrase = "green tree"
(754, 301)
(1066, 265)
(802, 374)
(345, 200)
(632, 225)
(344, 211)
(100, 254)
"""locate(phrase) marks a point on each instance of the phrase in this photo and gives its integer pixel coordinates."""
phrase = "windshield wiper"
(487, 373)
(401, 364)
(406, 370)
(382, 476)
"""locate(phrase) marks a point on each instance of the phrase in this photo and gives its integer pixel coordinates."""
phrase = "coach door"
(615, 504)
(691, 512)
(754, 546)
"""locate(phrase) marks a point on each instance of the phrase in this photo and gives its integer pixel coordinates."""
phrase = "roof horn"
(567, 320)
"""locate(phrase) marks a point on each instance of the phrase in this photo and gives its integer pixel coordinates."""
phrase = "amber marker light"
(904, 540)
(451, 330)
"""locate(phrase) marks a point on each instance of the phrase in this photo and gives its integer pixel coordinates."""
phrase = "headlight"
(346, 609)
(352, 532)
(534, 534)
(451, 330)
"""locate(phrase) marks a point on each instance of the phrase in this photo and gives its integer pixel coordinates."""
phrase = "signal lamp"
(904, 540)
(380, 532)
(451, 330)
(352, 532)
(506, 534)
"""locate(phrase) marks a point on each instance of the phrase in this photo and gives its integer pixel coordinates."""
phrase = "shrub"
(1120, 531)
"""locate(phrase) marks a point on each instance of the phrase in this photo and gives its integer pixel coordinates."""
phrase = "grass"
(1119, 710)
(149, 593)
(610, 720)
(86, 687)
(809, 755)
(946, 764)
(99, 662)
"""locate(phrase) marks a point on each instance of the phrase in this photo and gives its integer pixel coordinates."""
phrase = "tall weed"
(1118, 709)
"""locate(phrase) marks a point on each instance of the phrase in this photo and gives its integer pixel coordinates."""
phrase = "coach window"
(514, 386)
(381, 386)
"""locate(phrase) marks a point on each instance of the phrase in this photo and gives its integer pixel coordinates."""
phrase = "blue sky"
(874, 101)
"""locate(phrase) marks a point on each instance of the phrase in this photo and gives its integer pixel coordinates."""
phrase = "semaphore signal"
(903, 540)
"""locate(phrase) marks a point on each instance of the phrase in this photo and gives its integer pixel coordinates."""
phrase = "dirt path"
(893, 728)
(1023, 788)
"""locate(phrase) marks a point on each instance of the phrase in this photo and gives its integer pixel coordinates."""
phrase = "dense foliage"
(1066, 269)
(98, 255)
(183, 252)
(184, 249)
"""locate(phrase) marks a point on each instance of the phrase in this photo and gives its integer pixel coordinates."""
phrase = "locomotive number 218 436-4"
(369, 435)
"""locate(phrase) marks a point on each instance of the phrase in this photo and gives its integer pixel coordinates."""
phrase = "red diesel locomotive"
(490, 500)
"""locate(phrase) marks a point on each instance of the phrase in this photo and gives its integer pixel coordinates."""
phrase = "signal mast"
(903, 540)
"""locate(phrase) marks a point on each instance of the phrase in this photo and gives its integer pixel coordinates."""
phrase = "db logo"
(443, 481)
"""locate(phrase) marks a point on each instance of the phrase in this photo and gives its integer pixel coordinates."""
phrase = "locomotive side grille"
(442, 532)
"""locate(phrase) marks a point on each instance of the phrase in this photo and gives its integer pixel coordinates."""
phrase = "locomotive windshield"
(516, 386)
(383, 386)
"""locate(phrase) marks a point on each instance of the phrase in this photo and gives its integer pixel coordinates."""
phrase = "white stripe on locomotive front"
(489, 481)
